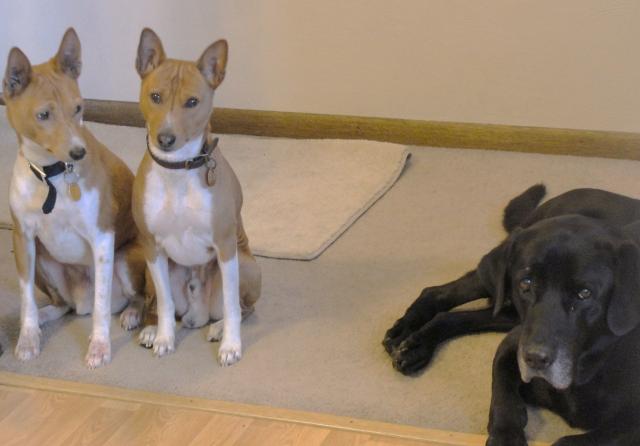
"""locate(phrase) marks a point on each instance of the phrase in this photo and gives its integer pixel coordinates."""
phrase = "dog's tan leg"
(99, 352)
(250, 282)
(164, 340)
(230, 350)
(50, 277)
(178, 276)
(250, 287)
(24, 246)
(214, 294)
(150, 313)
(129, 272)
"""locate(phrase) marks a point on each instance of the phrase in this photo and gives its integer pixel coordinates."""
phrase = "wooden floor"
(37, 417)
(40, 411)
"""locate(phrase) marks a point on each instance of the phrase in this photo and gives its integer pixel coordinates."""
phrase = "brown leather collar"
(191, 163)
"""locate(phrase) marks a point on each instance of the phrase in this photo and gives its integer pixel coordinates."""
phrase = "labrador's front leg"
(99, 352)
(508, 413)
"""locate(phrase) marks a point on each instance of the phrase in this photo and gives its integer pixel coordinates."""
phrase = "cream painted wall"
(557, 63)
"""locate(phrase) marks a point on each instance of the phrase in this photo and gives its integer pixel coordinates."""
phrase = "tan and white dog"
(187, 203)
(74, 236)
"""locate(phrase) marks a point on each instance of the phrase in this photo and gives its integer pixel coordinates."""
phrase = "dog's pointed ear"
(213, 62)
(17, 75)
(68, 59)
(150, 52)
(623, 314)
(494, 271)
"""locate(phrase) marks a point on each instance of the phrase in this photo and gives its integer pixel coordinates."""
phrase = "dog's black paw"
(507, 439)
(413, 355)
(395, 335)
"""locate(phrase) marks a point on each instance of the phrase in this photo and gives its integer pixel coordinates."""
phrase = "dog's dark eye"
(156, 98)
(584, 294)
(191, 102)
(78, 109)
(42, 116)
(525, 285)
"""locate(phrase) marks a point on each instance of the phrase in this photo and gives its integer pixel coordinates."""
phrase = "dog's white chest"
(178, 211)
(66, 230)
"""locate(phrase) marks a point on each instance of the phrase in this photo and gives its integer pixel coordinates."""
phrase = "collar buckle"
(39, 170)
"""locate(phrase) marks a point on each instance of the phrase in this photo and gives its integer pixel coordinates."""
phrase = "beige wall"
(558, 63)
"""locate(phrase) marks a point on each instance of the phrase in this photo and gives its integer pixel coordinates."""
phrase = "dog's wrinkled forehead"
(564, 247)
(48, 87)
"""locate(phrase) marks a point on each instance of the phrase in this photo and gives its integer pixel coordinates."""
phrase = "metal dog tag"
(71, 178)
(74, 191)
(211, 172)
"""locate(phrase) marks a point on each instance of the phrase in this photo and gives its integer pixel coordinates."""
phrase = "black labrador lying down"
(569, 271)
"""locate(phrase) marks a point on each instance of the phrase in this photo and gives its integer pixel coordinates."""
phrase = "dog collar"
(43, 173)
(191, 163)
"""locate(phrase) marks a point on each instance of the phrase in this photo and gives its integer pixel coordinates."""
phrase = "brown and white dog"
(74, 236)
(187, 202)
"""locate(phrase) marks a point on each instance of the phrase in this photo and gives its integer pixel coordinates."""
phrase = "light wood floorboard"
(40, 417)
(38, 411)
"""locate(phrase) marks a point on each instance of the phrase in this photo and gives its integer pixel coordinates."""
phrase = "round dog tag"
(74, 191)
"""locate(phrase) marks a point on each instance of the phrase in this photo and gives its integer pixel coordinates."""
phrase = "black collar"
(192, 163)
(43, 174)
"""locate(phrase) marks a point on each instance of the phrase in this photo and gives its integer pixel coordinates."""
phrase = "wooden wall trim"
(604, 144)
(402, 131)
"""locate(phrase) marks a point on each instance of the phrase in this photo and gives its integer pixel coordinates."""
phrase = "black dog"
(570, 271)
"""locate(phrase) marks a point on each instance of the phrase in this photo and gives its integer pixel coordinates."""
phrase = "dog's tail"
(520, 207)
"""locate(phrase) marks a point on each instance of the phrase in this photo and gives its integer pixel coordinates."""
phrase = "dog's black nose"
(166, 140)
(77, 153)
(538, 357)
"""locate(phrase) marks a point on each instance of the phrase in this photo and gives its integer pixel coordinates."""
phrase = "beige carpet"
(314, 341)
(299, 195)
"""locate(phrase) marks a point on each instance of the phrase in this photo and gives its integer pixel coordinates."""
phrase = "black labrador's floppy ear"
(69, 56)
(623, 314)
(150, 52)
(494, 270)
(17, 75)
(213, 62)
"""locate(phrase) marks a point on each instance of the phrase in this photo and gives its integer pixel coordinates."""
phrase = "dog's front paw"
(163, 345)
(99, 353)
(130, 318)
(28, 346)
(147, 336)
(413, 354)
(507, 439)
(214, 334)
(230, 352)
(395, 335)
